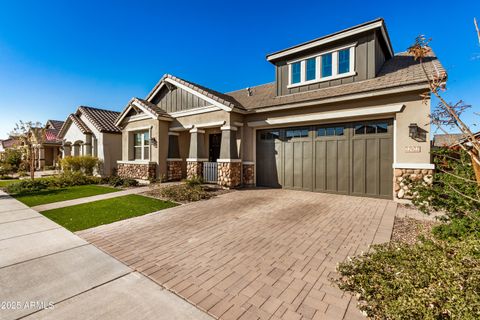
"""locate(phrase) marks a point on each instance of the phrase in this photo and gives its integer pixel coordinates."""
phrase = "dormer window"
(324, 66)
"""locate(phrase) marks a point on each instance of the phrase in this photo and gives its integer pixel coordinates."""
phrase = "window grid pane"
(311, 69)
(326, 65)
(344, 61)
(295, 72)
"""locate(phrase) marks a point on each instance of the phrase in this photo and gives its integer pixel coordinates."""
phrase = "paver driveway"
(253, 254)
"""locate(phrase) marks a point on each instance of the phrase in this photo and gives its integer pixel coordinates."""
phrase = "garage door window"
(270, 135)
(296, 133)
(330, 131)
(371, 128)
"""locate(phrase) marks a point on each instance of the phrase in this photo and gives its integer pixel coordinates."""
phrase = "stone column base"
(229, 174)
(248, 174)
(174, 170)
(403, 178)
(143, 171)
(194, 169)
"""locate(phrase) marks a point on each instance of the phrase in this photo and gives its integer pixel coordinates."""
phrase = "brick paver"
(253, 254)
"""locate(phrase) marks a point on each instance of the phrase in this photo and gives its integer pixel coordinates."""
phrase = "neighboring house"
(92, 131)
(344, 115)
(446, 139)
(8, 144)
(48, 152)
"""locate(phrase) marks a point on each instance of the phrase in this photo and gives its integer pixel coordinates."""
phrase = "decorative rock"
(194, 169)
(229, 174)
(398, 172)
(143, 171)
(401, 194)
(248, 174)
(405, 180)
(174, 170)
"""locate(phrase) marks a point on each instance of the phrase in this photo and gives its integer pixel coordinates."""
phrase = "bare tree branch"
(476, 27)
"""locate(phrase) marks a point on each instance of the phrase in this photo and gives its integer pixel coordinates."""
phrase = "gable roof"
(151, 109)
(56, 124)
(402, 70)
(378, 23)
(201, 91)
(73, 118)
(103, 120)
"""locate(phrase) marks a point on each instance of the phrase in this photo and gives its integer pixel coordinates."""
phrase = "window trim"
(142, 145)
(318, 79)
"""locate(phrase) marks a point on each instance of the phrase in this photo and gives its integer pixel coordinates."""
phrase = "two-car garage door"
(350, 158)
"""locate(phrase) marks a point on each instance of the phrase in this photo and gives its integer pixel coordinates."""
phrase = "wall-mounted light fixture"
(417, 133)
(153, 142)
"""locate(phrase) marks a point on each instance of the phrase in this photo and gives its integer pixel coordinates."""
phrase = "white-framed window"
(324, 66)
(141, 145)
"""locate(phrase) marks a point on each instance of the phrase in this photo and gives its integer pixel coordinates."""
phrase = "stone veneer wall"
(194, 169)
(248, 174)
(229, 174)
(144, 171)
(174, 170)
(403, 179)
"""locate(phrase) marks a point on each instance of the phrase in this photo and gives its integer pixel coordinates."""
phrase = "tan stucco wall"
(112, 151)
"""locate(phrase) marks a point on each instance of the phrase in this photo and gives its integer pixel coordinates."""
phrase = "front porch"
(47, 156)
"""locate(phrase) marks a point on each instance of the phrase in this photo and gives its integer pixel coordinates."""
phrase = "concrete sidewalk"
(44, 265)
(68, 203)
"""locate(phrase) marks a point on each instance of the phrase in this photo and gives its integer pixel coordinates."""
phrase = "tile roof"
(56, 124)
(219, 97)
(150, 107)
(401, 70)
(78, 122)
(103, 120)
(447, 139)
(10, 143)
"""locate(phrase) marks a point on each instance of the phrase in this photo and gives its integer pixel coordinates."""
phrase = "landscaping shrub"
(432, 279)
(11, 158)
(194, 181)
(84, 164)
(67, 179)
(117, 181)
(184, 193)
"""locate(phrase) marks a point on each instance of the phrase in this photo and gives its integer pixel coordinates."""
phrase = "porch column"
(248, 165)
(174, 162)
(196, 155)
(229, 164)
(41, 157)
(67, 150)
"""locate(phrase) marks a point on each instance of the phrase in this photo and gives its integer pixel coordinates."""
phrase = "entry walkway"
(43, 264)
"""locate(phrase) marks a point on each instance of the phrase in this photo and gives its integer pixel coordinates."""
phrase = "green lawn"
(68, 193)
(89, 215)
(4, 183)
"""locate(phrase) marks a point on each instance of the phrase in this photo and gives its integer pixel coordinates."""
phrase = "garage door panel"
(288, 165)
(358, 166)
(307, 165)
(386, 158)
(371, 166)
(331, 174)
(320, 163)
(343, 172)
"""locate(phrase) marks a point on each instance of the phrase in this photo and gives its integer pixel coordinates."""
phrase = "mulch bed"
(407, 230)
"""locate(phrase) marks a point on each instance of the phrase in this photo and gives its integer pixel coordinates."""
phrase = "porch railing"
(210, 173)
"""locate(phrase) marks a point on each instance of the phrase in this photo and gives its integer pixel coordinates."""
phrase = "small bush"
(84, 164)
(67, 179)
(117, 181)
(194, 181)
(184, 193)
(432, 279)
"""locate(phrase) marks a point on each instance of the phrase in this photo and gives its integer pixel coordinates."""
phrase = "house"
(446, 139)
(9, 143)
(47, 151)
(344, 115)
(92, 131)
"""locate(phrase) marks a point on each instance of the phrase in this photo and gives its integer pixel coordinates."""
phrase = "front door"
(214, 141)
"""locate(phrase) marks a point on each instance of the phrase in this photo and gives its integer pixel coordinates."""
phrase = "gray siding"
(177, 100)
(369, 58)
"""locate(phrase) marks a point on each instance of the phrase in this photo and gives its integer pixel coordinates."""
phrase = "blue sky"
(57, 55)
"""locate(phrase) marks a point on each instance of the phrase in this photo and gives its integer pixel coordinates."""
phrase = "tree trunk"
(476, 166)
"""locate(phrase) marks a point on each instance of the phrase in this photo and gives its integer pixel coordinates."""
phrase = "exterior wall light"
(417, 133)
(153, 142)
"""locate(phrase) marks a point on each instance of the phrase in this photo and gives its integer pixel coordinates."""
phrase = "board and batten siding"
(177, 100)
(369, 58)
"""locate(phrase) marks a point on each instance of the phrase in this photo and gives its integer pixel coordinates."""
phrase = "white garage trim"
(413, 166)
(349, 113)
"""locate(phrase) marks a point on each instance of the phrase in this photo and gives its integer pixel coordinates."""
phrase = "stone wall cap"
(174, 159)
(229, 160)
(135, 162)
(413, 166)
(197, 159)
